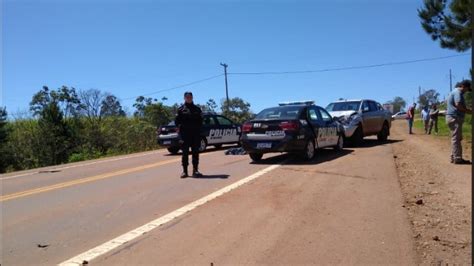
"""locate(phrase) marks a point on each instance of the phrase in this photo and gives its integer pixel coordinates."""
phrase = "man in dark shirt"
(434, 113)
(189, 122)
(411, 118)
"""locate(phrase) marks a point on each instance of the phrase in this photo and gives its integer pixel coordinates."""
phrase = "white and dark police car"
(294, 127)
(216, 130)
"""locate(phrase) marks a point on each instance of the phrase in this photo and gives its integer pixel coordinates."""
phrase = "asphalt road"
(343, 207)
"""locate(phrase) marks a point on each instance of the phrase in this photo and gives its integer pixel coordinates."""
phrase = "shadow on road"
(211, 177)
(322, 155)
(208, 149)
(369, 143)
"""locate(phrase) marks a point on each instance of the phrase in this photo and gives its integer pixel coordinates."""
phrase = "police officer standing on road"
(455, 118)
(189, 122)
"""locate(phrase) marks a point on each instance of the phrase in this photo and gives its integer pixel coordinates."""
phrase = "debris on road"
(419, 202)
(43, 246)
(49, 171)
(235, 151)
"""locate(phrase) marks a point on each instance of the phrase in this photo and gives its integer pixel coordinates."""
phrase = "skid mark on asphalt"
(119, 241)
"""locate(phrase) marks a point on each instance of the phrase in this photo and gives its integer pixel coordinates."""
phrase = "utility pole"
(225, 76)
(450, 81)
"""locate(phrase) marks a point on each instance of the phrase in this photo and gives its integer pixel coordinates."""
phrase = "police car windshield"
(343, 106)
(171, 123)
(280, 113)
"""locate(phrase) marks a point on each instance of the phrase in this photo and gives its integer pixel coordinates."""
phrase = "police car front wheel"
(340, 143)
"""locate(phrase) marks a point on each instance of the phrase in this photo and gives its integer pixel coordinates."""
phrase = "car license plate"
(166, 142)
(264, 145)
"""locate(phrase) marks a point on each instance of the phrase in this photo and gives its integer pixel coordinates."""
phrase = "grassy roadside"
(443, 130)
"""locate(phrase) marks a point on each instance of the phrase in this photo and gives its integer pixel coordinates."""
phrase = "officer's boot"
(185, 172)
(196, 172)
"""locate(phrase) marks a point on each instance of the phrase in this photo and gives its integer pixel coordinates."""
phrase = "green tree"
(152, 111)
(66, 98)
(140, 104)
(398, 104)
(428, 97)
(4, 152)
(236, 109)
(174, 109)
(211, 105)
(54, 136)
(111, 106)
(449, 22)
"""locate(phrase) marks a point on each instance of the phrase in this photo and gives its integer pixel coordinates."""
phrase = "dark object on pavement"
(42, 246)
(419, 202)
(235, 151)
(436, 238)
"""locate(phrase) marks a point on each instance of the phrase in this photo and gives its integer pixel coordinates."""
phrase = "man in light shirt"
(455, 118)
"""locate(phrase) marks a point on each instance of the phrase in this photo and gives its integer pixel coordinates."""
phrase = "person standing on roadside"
(455, 118)
(189, 121)
(411, 117)
(434, 113)
(425, 117)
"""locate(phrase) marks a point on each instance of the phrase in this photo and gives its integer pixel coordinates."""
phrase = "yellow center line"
(86, 180)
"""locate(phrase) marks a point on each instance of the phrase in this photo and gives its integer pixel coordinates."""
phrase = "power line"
(173, 88)
(347, 68)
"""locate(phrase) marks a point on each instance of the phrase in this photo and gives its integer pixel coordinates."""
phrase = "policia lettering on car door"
(325, 130)
(221, 130)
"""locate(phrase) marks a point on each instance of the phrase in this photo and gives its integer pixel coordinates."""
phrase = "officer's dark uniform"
(189, 121)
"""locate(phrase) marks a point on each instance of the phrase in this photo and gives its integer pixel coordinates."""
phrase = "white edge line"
(84, 164)
(135, 233)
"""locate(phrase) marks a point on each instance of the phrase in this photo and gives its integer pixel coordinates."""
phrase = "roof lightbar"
(296, 103)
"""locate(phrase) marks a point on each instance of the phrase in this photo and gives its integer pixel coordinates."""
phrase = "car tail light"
(246, 127)
(289, 125)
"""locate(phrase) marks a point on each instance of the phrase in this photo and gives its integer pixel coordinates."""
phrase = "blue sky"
(130, 48)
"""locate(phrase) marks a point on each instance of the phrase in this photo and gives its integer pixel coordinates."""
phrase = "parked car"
(216, 130)
(296, 127)
(361, 118)
(399, 115)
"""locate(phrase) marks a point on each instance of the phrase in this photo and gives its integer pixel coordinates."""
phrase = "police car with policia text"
(216, 130)
(295, 127)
